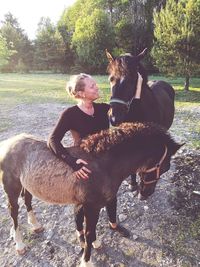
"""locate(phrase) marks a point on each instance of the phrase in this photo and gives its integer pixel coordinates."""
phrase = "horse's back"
(163, 94)
(160, 87)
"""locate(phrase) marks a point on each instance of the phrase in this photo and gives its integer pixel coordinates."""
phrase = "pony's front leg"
(91, 218)
(32, 220)
(36, 226)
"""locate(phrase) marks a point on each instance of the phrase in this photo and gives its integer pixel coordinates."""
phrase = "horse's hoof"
(97, 244)
(38, 230)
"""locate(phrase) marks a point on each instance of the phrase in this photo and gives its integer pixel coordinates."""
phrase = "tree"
(130, 24)
(176, 48)
(49, 47)
(93, 34)
(16, 40)
(5, 53)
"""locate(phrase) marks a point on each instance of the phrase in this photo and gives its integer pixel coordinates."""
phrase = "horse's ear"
(109, 56)
(142, 54)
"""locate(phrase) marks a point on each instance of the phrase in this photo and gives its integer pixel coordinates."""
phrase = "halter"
(126, 103)
(156, 168)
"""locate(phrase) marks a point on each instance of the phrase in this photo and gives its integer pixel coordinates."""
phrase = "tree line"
(170, 29)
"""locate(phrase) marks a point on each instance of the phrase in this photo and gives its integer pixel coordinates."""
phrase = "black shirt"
(74, 119)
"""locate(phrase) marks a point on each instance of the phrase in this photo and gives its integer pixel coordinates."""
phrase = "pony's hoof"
(97, 244)
(38, 230)
(86, 264)
(81, 240)
(20, 248)
(21, 252)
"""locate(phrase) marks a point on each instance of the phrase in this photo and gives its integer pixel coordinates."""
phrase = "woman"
(87, 117)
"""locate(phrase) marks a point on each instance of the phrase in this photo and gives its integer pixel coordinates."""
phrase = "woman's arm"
(54, 144)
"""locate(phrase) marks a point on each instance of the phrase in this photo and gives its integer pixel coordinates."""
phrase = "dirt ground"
(165, 229)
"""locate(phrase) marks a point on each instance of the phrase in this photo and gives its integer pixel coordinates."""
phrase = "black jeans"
(111, 210)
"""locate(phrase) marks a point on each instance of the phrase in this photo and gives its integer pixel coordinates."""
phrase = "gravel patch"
(165, 229)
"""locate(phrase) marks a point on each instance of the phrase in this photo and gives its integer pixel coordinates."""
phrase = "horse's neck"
(147, 92)
(146, 109)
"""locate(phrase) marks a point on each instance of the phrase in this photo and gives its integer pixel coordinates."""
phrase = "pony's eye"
(112, 78)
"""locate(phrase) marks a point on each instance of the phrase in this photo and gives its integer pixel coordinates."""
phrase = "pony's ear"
(142, 54)
(176, 147)
(109, 56)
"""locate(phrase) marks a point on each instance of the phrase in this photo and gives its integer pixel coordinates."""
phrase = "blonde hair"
(76, 84)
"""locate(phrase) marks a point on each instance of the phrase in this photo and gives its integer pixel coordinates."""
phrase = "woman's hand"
(83, 172)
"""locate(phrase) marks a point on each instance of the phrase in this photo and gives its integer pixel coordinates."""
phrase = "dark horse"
(156, 99)
(28, 166)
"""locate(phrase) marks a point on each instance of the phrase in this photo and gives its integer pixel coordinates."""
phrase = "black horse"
(26, 164)
(156, 100)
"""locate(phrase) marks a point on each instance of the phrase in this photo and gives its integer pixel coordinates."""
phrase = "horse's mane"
(123, 65)
(137, 132)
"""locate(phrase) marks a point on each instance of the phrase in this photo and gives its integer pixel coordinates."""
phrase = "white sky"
(29, 12)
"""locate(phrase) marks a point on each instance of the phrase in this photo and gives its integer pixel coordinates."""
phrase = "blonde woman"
(87, 117)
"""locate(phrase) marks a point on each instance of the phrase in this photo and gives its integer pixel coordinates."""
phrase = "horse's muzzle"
(114, 121)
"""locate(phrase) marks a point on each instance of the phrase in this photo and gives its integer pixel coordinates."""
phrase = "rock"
(135, 237)
(122, 217)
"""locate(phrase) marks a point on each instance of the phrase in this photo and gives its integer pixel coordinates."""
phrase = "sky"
(29, 12)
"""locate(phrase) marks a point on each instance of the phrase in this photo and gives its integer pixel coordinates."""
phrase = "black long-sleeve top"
(75, 120)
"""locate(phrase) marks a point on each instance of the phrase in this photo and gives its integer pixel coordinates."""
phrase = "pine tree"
(176, 48)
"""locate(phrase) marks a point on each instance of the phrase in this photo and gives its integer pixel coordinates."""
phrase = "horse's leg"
(91, 218)
(36, 226)
(133, 183)
(13, 189)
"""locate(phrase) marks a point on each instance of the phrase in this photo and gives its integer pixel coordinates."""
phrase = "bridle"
(126, 103)
(155, 168)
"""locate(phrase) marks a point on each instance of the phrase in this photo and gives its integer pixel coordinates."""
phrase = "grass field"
(43, 88)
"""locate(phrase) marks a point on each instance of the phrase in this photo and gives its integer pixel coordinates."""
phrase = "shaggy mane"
(137, 132)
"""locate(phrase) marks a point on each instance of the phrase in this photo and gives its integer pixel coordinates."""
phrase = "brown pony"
(27, 165)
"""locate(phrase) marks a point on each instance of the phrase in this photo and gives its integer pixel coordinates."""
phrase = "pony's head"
(124, 74)
(155, 167)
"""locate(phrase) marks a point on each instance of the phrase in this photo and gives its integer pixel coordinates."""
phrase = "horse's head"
(149, 175)
(124, 72)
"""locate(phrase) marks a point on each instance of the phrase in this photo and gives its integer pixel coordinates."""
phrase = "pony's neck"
(125, 164)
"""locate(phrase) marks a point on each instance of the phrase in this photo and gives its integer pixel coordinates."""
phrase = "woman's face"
(91, 90)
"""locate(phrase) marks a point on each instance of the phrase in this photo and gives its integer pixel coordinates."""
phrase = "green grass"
(183, 98)
(43, 88)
